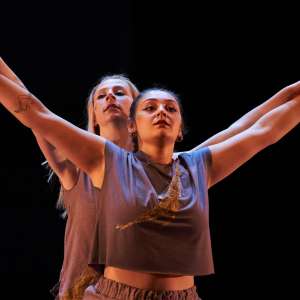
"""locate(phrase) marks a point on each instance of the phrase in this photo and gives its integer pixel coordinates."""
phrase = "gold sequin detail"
(165, 208)
(89, 276)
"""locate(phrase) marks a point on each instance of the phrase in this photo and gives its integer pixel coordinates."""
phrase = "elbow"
(269, 136)
(264, 136)
(40, 122)
(35, 122)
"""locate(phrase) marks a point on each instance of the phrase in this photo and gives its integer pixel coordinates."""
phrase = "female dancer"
(160, 222)
(107, 108)
(155, 126)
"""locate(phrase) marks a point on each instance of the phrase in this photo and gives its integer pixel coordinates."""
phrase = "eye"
(120, 93)
(149, 108)
(100, 96)
(171, 109)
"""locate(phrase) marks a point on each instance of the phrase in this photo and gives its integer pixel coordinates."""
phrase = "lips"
(113, 106)
(162, 122)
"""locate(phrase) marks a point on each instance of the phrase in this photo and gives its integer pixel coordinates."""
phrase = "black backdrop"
(222, 61)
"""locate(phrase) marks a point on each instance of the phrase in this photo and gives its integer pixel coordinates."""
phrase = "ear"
(94, 119)
(180, 136)
(91, 117)
(94, 114)
(131, 127)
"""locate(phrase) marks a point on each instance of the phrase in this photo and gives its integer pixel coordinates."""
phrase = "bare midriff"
(154, 281)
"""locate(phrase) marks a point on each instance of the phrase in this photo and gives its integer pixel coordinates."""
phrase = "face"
(112, 101)
(157, 118)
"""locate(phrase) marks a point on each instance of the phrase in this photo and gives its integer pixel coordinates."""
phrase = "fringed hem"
(88, 276)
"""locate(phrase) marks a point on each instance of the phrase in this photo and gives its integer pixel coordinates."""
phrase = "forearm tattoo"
(24, 103)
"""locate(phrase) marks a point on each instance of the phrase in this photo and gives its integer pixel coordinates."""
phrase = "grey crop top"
(154, 218)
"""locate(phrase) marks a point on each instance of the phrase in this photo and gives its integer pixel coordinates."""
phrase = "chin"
(117, 117)
(163, 138)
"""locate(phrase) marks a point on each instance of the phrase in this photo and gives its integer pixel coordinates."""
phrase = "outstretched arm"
(229, 155)
(62, 167)
(6, 71)
(82, 148)
(255, 114)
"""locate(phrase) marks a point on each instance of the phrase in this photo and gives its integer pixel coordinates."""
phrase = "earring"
(133, 134)
(97, 129)
(179, 138)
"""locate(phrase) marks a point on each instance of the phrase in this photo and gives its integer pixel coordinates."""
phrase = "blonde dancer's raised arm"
(82, 148)
(62, 167)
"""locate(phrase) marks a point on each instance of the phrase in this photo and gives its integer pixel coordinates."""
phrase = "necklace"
(160, 175)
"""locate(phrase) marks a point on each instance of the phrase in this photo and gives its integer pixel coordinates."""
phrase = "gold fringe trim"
(165, 208)
(88, 276)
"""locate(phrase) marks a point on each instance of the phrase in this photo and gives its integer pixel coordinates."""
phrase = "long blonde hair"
(91, 124)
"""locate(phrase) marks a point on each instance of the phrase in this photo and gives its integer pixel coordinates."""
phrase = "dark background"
(223, 60)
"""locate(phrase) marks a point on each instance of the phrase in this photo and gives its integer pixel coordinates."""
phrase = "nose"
(161, 110)
(110, 96)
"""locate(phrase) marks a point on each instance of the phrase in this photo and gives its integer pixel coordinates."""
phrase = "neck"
(118, 134)
(161, 154)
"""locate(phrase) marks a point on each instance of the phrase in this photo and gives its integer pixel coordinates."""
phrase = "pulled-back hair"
(141, 96)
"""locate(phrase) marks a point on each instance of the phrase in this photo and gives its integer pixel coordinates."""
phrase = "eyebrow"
(116, 87)
(154, 99)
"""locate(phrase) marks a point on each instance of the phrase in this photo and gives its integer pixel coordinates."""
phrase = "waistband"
(117, 290)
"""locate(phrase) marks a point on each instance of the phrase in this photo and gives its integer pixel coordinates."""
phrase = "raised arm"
(62, 167)
(82, 148)
(6, 71)
(254, 115)
(227, 156)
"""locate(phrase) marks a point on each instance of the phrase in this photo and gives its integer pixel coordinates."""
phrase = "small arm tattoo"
(24, 103)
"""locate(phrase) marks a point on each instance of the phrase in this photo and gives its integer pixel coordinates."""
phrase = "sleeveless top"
(80, 203)
(153, 217)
